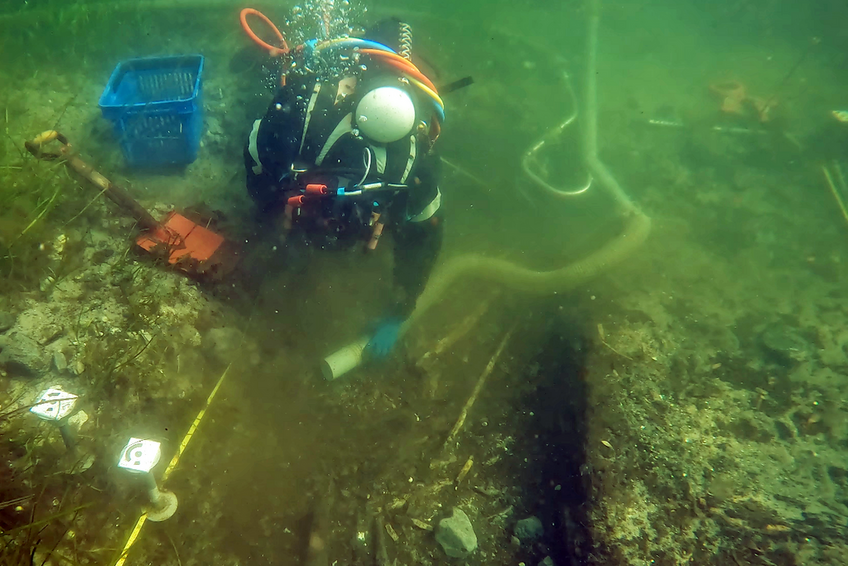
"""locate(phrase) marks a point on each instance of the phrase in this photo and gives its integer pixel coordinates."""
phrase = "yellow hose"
(524, 280)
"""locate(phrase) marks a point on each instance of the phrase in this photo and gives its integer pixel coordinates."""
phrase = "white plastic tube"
(342, 361)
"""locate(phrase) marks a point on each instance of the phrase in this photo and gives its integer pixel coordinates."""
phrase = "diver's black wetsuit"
(307, 136)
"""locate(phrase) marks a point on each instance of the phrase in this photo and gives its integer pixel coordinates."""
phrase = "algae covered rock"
(456, 535)
(21, 356)
(783, 345)
(7, 321)
(529, 529)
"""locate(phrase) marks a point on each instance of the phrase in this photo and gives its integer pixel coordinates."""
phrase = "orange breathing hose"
(389, 55)
(392, 59)
(274, 51)
(401, 64)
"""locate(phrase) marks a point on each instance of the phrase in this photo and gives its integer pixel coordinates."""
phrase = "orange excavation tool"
(183, 243)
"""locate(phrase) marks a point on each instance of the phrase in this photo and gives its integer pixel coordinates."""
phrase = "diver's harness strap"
(430, 209)
(253, 147)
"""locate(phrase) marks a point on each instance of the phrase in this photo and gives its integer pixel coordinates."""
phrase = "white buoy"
(140, 456)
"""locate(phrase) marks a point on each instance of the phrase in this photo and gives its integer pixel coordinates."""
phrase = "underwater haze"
(631, 350)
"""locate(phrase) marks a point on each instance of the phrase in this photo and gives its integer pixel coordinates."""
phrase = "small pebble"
(59, 361)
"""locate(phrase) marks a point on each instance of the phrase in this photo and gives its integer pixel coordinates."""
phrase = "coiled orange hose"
(274, 51)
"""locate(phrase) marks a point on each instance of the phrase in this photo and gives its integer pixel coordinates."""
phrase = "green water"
(684, 405)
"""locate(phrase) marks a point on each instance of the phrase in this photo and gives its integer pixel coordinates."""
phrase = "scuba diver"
(345, 150)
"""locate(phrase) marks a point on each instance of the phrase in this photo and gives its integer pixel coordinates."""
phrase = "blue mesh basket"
(155, 107)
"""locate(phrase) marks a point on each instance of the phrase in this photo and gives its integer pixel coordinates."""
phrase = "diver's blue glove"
(385, 338)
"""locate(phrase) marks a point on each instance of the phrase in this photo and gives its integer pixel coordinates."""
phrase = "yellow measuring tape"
(173, 464)
(834, 191)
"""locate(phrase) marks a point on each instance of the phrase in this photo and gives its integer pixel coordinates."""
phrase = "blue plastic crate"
(156, 109)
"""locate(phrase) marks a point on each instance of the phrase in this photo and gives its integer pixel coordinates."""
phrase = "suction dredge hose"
(525, 280)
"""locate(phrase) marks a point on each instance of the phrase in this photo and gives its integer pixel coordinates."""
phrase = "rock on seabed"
(456, 535)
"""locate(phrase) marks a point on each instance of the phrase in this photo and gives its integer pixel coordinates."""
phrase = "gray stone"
(783, 345)
(529, 529)
(60, 361)
(48, 334)
(456, 535)
(78, 419)
(7, 321)
(21, 356)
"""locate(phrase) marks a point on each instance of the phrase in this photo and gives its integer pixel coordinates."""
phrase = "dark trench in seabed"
(269, 463)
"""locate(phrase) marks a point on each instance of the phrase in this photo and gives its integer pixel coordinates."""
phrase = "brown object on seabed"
(735, 100)
(763, 107)
(732, 94)
(183, 243)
